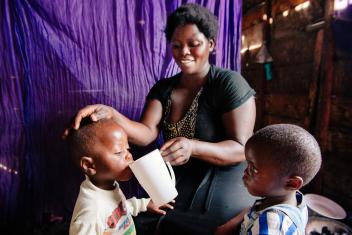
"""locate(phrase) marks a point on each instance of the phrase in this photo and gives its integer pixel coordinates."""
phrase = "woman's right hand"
(177, 151)
(95, 111)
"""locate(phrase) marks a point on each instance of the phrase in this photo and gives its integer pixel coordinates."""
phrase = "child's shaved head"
(294, 150)
(82, 141)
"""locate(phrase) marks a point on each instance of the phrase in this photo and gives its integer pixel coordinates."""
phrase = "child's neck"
(289, 198)
(105, 185)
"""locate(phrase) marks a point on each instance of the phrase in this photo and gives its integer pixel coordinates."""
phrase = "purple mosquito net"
(60, 55)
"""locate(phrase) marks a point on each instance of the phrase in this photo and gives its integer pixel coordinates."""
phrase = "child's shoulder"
(273, 220)
(283, 218)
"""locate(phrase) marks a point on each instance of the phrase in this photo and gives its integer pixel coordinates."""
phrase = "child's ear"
(294, 183)
(87, 164)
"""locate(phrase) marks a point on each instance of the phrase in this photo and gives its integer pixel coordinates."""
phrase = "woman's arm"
(139, 133)
(144, 132)
(239, 125)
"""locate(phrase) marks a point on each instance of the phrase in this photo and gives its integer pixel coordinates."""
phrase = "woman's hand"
(159, 210)
(177, 151)
(96, 112)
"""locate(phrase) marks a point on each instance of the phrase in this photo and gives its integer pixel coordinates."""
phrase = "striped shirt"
(280, 219)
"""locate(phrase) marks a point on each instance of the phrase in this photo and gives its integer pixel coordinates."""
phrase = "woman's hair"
(292, 149)
(192, 14)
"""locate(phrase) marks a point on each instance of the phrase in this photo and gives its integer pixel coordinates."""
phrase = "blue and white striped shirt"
(280, 219)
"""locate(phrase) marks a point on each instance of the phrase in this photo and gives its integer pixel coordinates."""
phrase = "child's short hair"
(293, 149)
(81, 142)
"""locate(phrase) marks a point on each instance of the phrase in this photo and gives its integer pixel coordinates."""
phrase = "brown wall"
(302, 92)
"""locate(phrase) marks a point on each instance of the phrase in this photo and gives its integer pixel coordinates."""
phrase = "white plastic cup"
(156, 177)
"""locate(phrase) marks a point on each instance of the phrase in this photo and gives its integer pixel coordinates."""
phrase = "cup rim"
(141, 158)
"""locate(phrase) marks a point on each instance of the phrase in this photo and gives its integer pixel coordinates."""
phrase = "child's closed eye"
(120, 153)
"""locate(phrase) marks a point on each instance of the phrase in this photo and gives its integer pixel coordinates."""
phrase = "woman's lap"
(220, 197)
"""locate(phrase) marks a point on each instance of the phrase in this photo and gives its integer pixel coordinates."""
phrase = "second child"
(281, 159)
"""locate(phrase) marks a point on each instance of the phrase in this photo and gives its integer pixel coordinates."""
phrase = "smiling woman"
(191, 48)
(206, 114)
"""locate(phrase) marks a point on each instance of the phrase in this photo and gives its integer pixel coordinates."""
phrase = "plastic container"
(324, 206)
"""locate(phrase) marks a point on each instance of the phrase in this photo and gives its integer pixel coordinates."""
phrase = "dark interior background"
(60, 55)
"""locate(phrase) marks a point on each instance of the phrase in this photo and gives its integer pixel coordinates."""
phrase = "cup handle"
(171, 171)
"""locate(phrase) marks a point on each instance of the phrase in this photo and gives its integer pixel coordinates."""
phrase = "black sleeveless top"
(224, 91)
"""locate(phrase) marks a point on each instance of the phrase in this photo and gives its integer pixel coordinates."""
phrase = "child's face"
(112, 155)
(261, 177)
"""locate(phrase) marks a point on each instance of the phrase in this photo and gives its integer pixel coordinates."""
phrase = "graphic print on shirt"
(116, 215)
(126, 227)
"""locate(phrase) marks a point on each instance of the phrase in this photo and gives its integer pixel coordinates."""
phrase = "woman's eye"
(195, 44)
(175, 46)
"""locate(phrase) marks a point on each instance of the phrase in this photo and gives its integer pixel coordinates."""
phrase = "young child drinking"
(281, 159)
(101, 150)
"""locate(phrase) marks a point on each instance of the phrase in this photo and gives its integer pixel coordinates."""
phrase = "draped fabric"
(60, 55)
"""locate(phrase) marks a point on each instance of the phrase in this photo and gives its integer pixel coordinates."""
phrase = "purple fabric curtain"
(60, 55)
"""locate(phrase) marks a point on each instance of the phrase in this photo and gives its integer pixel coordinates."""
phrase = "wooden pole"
(326, 81)
(310, 118)
(323, 76)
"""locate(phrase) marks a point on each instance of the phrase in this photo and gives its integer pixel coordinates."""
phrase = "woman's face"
(190, 49)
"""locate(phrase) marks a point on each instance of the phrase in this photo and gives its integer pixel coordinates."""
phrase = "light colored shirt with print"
(104, 212)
